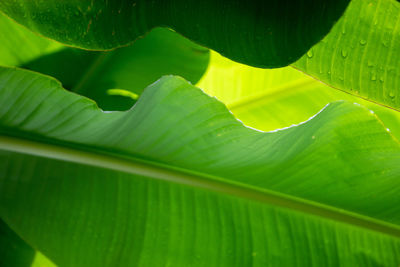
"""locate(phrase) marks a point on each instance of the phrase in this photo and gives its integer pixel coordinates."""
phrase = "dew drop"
(310, 53)
(373, 77)
(392, 95)
(344, 53)
(363, 42)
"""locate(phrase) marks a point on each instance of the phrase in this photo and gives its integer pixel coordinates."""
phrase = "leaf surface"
(266, 34)
(97, 74)
(273, 99)
(110, 77)
(178, 181)
(19, 45)
(14, 252)
(361, 55)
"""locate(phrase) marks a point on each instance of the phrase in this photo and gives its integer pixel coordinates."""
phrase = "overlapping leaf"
(19, 45)
(109, 78)
(222, 195)
(361, 55)
(262, 33)
(273, 99)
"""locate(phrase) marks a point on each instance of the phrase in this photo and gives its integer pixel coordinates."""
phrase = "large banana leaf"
(361, 55)
(262, 33)
(273, 99)
(177, 181)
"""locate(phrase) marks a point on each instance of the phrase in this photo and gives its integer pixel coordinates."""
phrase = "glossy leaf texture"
(259, 33)
(178, 181)
(361, 55)
(109, 77)
(273, 99)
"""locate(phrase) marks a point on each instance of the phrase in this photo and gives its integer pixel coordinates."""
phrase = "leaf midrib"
(154, 170)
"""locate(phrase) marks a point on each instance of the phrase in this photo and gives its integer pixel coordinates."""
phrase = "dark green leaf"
(132, 68)
(101, 75)
(260, 33)
(14, 252)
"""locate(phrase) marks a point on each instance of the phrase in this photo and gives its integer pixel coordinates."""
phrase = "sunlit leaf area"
(199, 133)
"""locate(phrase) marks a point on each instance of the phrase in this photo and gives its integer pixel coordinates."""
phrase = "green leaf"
(132, 68)
(260, 33)
(14, 252)
(177, 181)
(273, 99)
(361, 55)
(97, 74)
(19, 45)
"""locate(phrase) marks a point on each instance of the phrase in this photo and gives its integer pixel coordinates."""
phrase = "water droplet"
(343, 31)
(310, 53)
(344, 53)
(363, 42)
(381, 79)
(392, 95)
(373, 77)
(370, 64)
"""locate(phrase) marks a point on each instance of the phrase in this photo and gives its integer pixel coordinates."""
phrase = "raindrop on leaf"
(310, 54)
